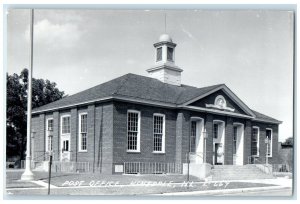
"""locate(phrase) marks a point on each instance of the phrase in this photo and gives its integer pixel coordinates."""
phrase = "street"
(275, 193)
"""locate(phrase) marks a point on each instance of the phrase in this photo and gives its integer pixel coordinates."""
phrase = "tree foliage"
(43, 92)
(289, 141)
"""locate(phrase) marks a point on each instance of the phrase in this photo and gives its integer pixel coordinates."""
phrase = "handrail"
(198, 154)
(254, 160)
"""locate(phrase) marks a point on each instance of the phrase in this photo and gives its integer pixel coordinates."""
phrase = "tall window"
(193, 135)
(269, 136)
(158, 133)
(82, 132)
(159, 54)
(49, 130)
(170, 53)
(65, 125)
(255, 141)
(216, 130)
(235, 133)
(133, 128)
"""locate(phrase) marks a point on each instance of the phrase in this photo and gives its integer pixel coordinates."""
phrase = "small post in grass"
(188, 170)
(50, 158)
(267, 142)
(50, 163)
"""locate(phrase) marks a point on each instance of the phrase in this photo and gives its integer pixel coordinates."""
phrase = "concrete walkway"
(282, 185)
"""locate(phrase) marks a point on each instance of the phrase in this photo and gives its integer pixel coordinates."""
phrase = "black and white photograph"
(157, 102)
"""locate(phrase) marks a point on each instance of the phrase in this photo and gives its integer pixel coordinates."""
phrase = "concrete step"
(232, 172)
(39, 166)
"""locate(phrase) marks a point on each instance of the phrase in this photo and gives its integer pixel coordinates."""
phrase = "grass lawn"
(99, 184)
(73, 179)
(137, 190)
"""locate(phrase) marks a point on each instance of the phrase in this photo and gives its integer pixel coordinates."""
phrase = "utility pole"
(28, 175)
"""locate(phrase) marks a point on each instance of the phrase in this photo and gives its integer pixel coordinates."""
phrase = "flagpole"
(28, 175)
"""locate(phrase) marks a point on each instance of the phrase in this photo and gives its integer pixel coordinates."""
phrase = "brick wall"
(107, 135)
(263, 147)
(247, 141)
(209, 140)
(38, 141)
(56, 125)
(182, 136)
(228, 151)
(107, 139)
(179, 133)
(74, 133)
(146, 135)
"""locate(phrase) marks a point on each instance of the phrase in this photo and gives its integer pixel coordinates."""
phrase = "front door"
(65, 148)
(219, 154)
(238, 144)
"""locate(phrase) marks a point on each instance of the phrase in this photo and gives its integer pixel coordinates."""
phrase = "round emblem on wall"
(220, 101)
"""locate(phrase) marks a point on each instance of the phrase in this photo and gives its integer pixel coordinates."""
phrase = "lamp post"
(50, 135)
(267, 142)
(28, 175)
(204, 152)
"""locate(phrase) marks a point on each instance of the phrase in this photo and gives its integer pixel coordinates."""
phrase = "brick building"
(153, 120)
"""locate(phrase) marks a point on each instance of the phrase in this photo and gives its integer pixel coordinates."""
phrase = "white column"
(28, 175)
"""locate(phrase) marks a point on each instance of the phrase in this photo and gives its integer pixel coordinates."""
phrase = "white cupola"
(165, 69)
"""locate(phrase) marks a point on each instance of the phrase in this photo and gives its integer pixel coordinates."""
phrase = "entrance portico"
(227, 140)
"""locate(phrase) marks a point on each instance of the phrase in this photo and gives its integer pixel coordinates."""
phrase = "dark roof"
(132, 86)
(138, 87)
(260, 116)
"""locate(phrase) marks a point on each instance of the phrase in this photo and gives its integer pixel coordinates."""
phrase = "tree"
(289, 141)
(43, 92)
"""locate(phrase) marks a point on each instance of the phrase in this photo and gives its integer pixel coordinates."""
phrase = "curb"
(236, 190)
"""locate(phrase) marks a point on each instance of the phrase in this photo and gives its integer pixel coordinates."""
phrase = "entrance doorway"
(238, 144)
(197, 140)
(218, 142)
(219, 155)
(65, 148)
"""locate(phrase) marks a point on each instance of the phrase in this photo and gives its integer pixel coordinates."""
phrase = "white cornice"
(219, 112)
(165, 66)
(156, 103)
(219, 107)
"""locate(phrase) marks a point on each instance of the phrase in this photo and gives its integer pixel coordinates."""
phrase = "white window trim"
(79, 133)
(198, 130)
(139, 132)
(219, 122)
(46, 139)
(233, 140)
(61, 123)
(271, 142)
(258, 138)
(163, 150)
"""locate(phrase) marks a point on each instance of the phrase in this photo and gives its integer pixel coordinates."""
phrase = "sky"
(251, 51)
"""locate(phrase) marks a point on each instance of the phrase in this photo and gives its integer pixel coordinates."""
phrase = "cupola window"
(170, 54)
(159, 54)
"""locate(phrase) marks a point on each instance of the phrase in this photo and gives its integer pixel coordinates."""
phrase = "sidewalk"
(276, 184)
